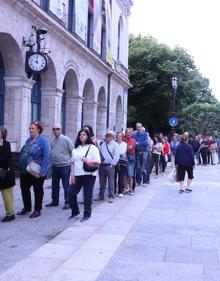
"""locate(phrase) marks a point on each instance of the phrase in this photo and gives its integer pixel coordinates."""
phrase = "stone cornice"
(19, 82)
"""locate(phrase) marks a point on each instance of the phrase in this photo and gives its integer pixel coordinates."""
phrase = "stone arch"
(51, 98)
(72, 103)
(12, 56)
(89, 105)
(101, 113)
(119, 115)
(17, 91)
(49, 77)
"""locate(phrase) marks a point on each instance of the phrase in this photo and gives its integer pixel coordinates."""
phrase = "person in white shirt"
(84, 151)
(156, 153)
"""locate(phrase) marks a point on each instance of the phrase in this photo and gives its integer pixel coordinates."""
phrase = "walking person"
(209, 153)
(156, 153)
(218, 149)
(203, 150)
(141, 138)
(121, 165)
(184, 162)
(84, 151)
(35, 151)
(173, 146)
(7, 177)
(195, 146)
(61, 153)
(110, 152)
(130, 169)
(165, 153)
(213, 149)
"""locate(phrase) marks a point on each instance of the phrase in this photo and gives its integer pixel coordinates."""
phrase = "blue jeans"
(62, 173)
(87, 183)
(142, 167)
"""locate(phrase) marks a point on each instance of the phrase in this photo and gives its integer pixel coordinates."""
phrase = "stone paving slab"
(152, 271)
(156, 235)
(192, 256)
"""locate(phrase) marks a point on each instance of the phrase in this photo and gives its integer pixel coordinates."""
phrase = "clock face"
(37, 62)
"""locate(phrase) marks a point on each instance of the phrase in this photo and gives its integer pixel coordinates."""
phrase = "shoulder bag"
(123, 161)
(3, 173)
(90, 167)
(33, 169)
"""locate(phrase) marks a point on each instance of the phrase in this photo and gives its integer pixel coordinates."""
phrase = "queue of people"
(122, 162)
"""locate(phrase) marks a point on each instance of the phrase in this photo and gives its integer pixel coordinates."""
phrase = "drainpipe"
(108, 99)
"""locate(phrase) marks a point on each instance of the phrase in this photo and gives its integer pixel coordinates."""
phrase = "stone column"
(101, 121)
(89, 114)
(17, 109)
(73, 116)
(51, 101)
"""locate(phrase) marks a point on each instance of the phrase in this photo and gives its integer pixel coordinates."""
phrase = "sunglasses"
(56, 129)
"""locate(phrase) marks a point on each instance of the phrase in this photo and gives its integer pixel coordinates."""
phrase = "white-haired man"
(110, 152)
(61, 153)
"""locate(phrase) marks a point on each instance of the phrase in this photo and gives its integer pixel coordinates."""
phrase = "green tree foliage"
(151, 67)
(201, 119)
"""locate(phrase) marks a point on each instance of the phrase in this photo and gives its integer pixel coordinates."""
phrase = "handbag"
(90, 167)
(3, 173)
(172, 176)
(33, 169)
(123, 161)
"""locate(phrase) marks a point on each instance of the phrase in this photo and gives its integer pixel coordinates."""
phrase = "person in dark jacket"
(7, 178)
(184, 161)
(195, 146)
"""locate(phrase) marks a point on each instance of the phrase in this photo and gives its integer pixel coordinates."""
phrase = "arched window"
(71, 15)
(63, 109)
(2, 89)
(45, 4)
(120, 28)
(36, 98)
(103, 34)
(90, 24)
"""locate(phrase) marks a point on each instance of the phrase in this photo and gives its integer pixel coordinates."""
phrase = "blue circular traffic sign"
(173, 121)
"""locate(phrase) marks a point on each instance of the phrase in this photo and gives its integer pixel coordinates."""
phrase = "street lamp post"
(174, 86)
(173, 121)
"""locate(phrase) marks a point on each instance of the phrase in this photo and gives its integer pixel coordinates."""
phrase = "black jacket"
(184, 155)
(5, 163)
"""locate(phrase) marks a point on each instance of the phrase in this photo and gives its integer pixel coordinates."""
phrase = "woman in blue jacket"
(185, 162)
(35, 149)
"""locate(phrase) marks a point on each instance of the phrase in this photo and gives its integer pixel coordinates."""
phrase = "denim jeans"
(60, 173)
(87, 183)
(142, 167)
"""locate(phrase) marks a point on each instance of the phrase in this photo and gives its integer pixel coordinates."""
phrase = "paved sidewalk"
(156, 235)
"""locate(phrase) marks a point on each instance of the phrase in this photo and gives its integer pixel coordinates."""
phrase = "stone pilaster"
(89, 113)
(51, 100)
(17, 109)
(73, 116)
(101, 121)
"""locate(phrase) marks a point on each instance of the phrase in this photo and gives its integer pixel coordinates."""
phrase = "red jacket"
(166, 149)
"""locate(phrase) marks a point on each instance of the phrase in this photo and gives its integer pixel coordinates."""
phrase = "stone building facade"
(87, 78)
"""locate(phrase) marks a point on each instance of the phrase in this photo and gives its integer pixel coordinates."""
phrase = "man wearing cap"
(110, 152)
(61, 153)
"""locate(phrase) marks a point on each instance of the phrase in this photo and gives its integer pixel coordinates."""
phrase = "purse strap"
(88, 150)
(109, 151)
